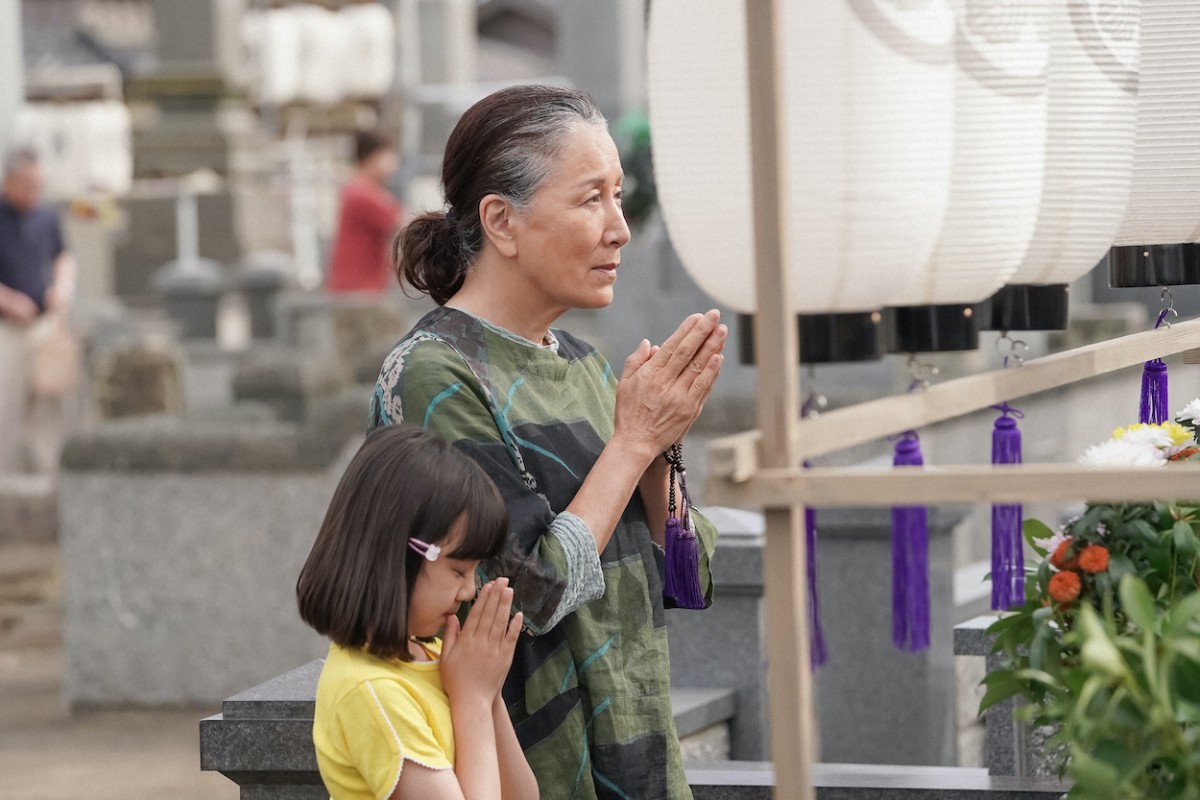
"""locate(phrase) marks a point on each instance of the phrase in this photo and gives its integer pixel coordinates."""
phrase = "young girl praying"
(408, 703)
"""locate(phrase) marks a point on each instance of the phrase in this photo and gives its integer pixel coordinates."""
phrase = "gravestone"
(138, 378)
(182, 538)
(877, 704)
(723, 645)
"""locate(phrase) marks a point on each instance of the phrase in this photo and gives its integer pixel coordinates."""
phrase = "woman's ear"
(496, 219)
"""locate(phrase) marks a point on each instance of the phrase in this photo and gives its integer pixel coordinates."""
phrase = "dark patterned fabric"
(589, 695)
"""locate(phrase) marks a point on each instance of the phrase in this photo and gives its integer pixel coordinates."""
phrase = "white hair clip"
(430, 551)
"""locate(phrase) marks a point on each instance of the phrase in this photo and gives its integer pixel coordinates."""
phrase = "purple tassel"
(818, 654)
(682, 579)
(1153, 410)
(910, 561)
(1008, 557)
(681, 575)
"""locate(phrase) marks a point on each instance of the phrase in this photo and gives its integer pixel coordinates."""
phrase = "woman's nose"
(618, 228)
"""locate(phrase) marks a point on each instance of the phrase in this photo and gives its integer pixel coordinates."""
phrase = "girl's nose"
(470, 586)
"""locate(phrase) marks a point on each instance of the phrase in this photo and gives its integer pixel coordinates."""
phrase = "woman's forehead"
(588, 155)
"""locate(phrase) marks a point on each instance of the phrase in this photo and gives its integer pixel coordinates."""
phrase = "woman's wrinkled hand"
(662, 390)
(477, 656)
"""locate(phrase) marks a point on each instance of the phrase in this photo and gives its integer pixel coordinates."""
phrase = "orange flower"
(1058, 559)
(1065, 587)
(1093, 559)
(1184, 454)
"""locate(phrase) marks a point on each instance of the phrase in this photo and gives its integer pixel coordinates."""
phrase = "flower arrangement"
(1106, 647)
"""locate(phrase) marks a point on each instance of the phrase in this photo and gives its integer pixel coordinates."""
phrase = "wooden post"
(789, 676)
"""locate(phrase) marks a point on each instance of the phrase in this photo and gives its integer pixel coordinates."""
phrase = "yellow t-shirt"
(371, 715)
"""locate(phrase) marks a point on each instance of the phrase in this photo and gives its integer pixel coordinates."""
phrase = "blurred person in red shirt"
(368, 218)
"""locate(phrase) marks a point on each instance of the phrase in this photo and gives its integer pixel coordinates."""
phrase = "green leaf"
(1033, 530)
(1137, 602)
(1185, 540)
(1092, 776)
(1128, 762)
(1090, 519)
(1004, 622)
(1038, 651)
(1142, 529)
(1184, 616)
(1000, 692)
(1098, 650)
(1037, 676)
(1120, 565)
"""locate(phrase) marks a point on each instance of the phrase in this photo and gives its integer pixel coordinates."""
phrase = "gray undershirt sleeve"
(584, 578)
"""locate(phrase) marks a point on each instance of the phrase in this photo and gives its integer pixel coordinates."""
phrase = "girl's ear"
(496, 218)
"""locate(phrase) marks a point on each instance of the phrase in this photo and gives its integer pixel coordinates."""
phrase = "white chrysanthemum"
(1123, 452)
(1051, 544)
(1190, 412)
(1148, 437)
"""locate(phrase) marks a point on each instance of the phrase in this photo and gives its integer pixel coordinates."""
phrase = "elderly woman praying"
(582, 456)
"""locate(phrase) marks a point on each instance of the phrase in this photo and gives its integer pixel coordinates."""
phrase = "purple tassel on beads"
(1008, 557)
(910, 560)
(682, 578)
(1153, 410)
(818, 654)
(681, 574)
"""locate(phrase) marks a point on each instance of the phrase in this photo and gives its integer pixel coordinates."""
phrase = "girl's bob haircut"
(403, 482)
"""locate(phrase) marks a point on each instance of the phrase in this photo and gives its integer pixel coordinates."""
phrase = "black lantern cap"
(828, 338)
(1153, 265)
(935, 328)
(1026, 307)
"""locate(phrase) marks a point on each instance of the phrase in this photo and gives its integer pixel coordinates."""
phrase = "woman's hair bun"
(426, 255)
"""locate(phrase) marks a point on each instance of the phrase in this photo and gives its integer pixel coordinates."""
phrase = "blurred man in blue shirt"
(37, 276)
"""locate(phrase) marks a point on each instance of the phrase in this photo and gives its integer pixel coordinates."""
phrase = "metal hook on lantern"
(1008, 347)
(1168, 308)
(921, 372)
(815, 401)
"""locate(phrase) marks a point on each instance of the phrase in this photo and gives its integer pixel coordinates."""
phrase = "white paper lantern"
(1164, 201)
(999, 152)
(324, 63)
(867, 121)
(59, 134)
(278, 42)
(34, 126)
(371, 49)
(109, 147)
(1090, 132)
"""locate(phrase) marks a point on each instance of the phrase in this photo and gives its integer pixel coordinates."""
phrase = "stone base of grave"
(262, 739)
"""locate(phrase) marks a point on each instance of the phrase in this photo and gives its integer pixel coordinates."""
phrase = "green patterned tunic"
(589, 687)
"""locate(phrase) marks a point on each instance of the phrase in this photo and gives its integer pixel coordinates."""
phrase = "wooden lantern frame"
(762, 467)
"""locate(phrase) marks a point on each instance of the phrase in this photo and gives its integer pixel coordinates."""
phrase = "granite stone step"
(753, 780)
(262, 739)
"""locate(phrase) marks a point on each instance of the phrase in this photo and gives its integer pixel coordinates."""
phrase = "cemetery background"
(134, 586)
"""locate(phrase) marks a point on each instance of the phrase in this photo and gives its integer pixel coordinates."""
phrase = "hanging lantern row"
(308, 53)
(1092, 111)
(87, 146)
(1155, 245)
(936, 153)
(873, 118)
(934, 156)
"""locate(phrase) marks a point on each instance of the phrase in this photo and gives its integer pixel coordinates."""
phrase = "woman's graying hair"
(506, 145)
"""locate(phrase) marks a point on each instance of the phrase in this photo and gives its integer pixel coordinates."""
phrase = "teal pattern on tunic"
(589, 688)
